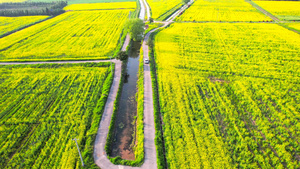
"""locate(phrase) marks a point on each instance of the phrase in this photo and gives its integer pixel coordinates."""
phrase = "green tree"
(151, 20)
(122, 55)
(185, 1)
(135, 28)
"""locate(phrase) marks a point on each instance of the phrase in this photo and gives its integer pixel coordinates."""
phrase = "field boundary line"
(263, 11)
(57, 62)
(183, 8)
(289, 28)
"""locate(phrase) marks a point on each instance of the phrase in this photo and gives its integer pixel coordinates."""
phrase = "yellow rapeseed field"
(229, 95)
(95, 6)
(43, 106)
(8, 24)
(222, 10)
(284, 10)
(72, 35)
(294, 26)
(161, 7)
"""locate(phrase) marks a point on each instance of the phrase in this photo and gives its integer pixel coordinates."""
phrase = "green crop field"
(222, 10)
(43, 107)
(72, 35)
(229, 95)
(8, 24)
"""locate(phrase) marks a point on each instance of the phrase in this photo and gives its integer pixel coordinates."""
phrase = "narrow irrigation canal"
(124, 133)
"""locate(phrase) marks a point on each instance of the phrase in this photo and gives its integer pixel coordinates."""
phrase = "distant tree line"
(32, 8)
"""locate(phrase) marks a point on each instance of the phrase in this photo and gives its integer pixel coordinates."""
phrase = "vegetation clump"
(185, 1)
(135, 27)
(122, 55)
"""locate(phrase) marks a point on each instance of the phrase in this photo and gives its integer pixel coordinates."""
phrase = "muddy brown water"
(125, 123)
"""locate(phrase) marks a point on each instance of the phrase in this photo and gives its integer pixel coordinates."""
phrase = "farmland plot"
(43, 107)
(222, 10)
(295, 26)
(73, 35)
(283, 10)
(8, 24)
(97, 6)
(91, 1)
(229, 95)
(160, 9)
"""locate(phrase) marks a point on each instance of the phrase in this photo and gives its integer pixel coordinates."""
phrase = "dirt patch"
(124, 149)
(215, 79)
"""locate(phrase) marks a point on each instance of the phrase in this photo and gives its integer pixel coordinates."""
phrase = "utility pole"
(79, 151)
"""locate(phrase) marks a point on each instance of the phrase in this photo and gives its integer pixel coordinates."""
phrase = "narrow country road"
(142, 12)
(147, 9)
(126, 42)
(184, 7)
(144, 8)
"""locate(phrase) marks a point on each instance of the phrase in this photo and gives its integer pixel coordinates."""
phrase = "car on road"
(146, 61)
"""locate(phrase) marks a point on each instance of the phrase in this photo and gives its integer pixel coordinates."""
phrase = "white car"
(146, 61)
